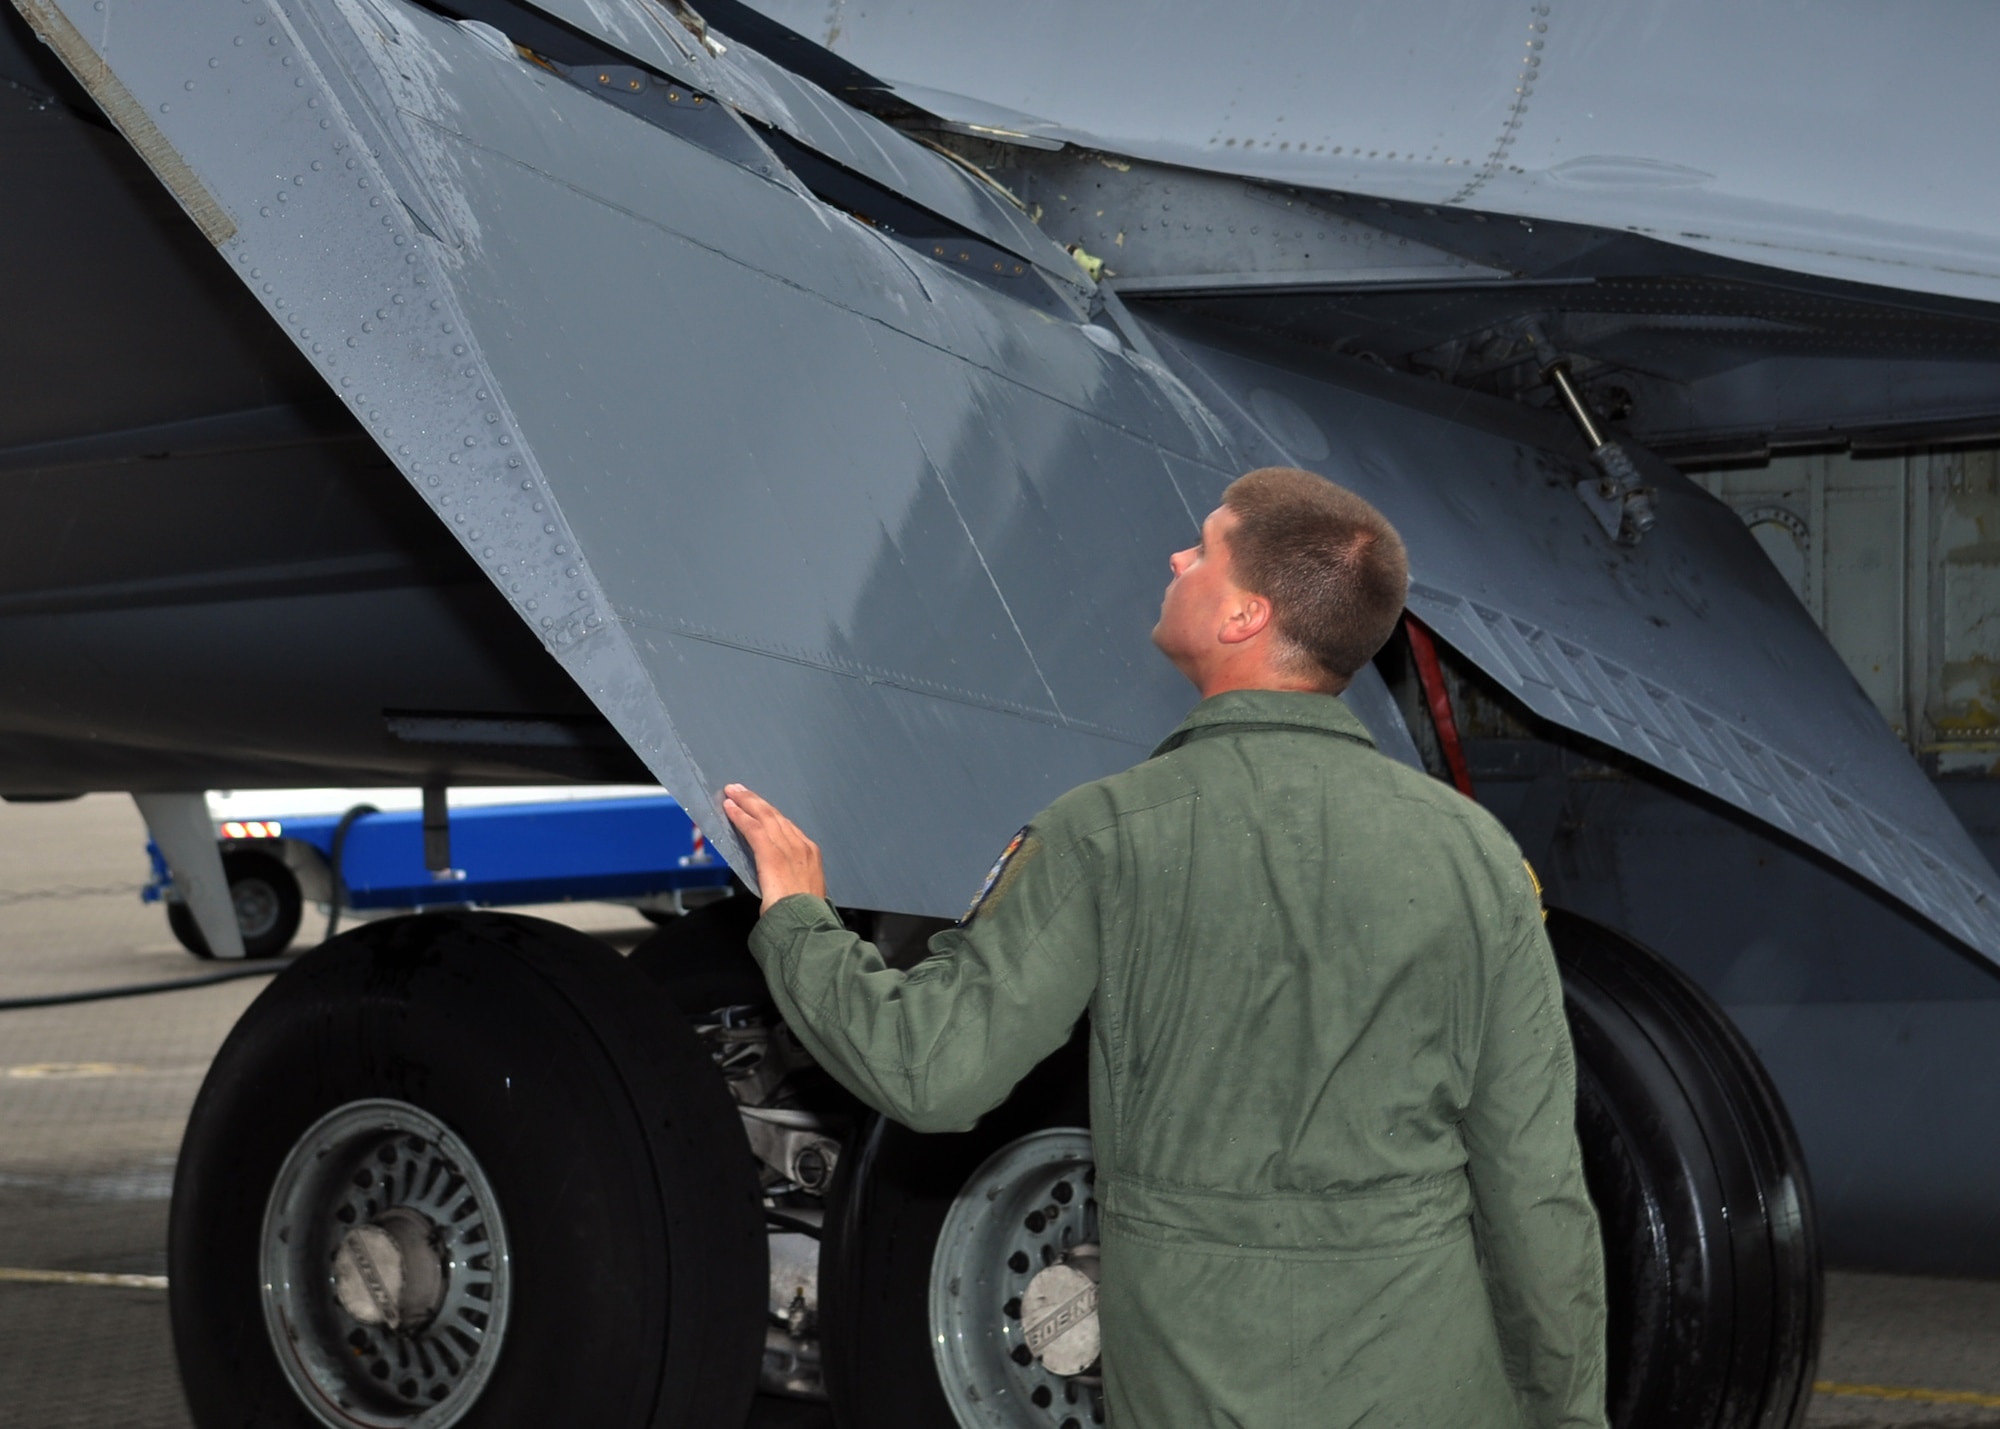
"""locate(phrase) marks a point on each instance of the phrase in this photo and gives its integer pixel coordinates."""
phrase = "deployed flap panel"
(793, 503)
(1687, 651)
(796, 504)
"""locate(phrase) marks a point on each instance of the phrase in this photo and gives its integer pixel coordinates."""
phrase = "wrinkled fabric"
(1332, 1091)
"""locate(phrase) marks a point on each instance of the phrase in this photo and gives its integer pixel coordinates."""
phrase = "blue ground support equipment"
(644, 850)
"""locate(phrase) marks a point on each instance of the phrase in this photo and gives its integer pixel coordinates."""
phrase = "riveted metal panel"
(795, 505)
(1845, 139)
(730, 453)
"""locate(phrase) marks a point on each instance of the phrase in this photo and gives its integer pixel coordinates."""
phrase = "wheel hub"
(256, 905)
(386, 1274)
(1013, 1295)
(389, 1272)
(1059, 1313)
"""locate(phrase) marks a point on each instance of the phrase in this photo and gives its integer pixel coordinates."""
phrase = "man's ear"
(1247, 618)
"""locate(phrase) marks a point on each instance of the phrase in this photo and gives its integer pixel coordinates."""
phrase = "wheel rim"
(257, 907)
(998, 1235)
(385, 1270)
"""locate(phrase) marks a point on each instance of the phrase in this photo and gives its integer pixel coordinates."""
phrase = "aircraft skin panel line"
(795, 503)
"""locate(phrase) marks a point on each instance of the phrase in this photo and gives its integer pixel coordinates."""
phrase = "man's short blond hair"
(1331, 565)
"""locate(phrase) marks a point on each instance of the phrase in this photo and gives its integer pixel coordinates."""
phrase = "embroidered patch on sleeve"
(996, 875)
(1535, 883)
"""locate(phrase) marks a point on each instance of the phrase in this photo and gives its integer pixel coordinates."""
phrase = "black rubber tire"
(887, 1204)
(702, 960)
(1711, 1257)
(244, 867)
(627, 1189)
(1712, 1264)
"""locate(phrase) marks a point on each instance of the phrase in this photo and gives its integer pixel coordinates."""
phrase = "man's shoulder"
(1356, 772)
(1433, 798)
(1098, 805)
(1396, 791)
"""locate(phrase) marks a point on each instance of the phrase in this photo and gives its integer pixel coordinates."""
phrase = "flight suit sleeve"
(939, 1045)
(1532, 1219)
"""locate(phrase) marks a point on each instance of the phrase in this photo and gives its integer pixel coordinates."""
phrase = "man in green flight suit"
(1332, 1092)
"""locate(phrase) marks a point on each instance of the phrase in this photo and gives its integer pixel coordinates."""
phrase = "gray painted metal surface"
(797, 505)
(772, 96)
(1682, 121)
(725, 448)
(1688, 652)
(180, 825)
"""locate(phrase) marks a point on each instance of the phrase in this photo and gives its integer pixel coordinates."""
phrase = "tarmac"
(94, 1096)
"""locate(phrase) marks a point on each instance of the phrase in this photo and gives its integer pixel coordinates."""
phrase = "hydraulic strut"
(1617, 496)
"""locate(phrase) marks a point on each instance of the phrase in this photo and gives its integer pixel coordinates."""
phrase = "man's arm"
(1537, 1232)
(937, 1046)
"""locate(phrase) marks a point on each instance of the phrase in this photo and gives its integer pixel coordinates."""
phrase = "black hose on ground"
(137, 989)
(338, 890)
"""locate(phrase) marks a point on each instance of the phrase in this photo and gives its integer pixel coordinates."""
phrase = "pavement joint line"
(1890, 1391)
(15, 1275)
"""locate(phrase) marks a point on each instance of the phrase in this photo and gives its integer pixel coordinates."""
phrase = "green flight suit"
(1332, 1092)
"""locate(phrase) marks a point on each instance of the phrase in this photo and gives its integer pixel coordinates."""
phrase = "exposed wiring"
(1430, 674)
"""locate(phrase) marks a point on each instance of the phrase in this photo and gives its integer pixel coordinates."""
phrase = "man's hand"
(787, 861)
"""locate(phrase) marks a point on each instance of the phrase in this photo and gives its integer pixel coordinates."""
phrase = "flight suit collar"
(1268, 709)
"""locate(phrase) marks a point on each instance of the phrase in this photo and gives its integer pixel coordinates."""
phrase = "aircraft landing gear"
(466, 1169)
(1700, 1186)
(267, 900)
(1711, 1261)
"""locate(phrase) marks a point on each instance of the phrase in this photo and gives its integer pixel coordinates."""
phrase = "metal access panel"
(875, 518)
(1897, 558)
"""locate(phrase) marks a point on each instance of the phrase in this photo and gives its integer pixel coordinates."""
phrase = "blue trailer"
(641, 850)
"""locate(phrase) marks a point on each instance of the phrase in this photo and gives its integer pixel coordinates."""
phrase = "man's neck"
(1223, 681)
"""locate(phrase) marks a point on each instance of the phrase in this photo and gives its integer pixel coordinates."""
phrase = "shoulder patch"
(1536, 884)
(995, 875)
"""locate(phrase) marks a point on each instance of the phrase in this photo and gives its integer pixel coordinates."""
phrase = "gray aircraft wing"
(812, 483)
(1830, 139)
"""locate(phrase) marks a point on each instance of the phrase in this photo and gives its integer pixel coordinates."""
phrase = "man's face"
(1191, 613)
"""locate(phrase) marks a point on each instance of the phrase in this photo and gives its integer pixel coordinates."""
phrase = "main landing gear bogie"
(473, 1169)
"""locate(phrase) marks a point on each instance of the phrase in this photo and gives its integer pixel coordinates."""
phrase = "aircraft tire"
(1711, 1258)
(701, 960)
(890, 1198)
(267, 900)
(1712, 1265)
(584, 1200)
